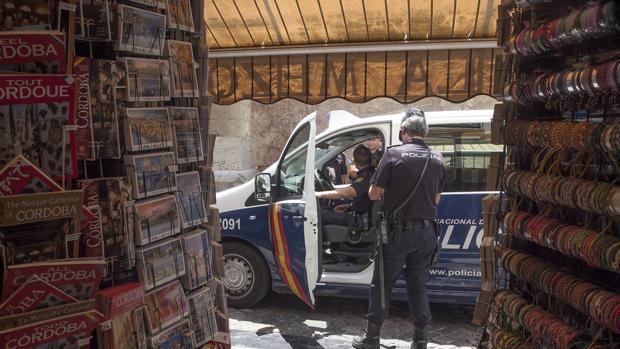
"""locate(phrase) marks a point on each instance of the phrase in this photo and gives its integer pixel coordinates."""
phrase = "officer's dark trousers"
(330, 216)
(413, 249)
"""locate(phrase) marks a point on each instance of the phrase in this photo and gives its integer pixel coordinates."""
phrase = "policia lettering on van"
(274, 237)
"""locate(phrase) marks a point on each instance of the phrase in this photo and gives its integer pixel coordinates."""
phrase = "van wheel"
(246, 275)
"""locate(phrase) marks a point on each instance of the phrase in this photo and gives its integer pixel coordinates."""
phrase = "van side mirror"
(262, 187)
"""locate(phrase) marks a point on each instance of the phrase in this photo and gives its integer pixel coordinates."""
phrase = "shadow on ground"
(337, 320)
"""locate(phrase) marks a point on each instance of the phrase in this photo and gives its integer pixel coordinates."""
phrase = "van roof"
(340, 118)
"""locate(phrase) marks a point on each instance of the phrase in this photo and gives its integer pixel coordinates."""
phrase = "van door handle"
(252, 218)
(300, 218)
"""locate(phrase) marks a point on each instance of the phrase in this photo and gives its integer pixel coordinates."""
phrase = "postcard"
(84, 134)
(117, 300)
(36, 334)
(33, 52)
(78, 277)
(147, 80)
(25, 14)
(139, 318)
(152, 174)
(183, 69)
(32, 295)
(165, 306)
(202, 315)
(191, 199)
(112, 196)
(34, 111)
(161, 4)
(160, 262)
(140, 31)
(156, 219)
(93, 19)
(187, 134)
(197, 255)
(105, 77)
(180, 15)
(20, 176)
(147, 128)
(173, 337)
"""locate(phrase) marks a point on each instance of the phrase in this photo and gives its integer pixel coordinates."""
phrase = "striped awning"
(312, 50)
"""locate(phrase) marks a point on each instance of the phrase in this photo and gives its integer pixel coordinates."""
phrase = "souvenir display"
(34, 111)
(105, 77)
(112, 196)
(198, 259)
(156, 219)
(147, 80)
(180, 15)
(84, 133)
(98, 236)
(561, 202)
(93, 19)
(33, 52)
(151, 174)
(140, 31)
(34, 294)
(147, 128)
(202, 312)
(79, 278)
(165, 306)
(67, 328)
(190, 197)
(25, 15)
(187, 135)
(183, 68)
(160, 262)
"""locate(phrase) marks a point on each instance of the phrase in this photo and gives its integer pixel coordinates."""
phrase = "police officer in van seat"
(358, 190)
(412, 234)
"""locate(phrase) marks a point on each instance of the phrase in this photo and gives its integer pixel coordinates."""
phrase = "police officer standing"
(412, 233)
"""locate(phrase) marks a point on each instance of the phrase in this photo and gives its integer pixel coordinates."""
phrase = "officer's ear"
(400, 134)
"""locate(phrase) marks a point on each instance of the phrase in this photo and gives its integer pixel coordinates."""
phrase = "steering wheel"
(321, 182)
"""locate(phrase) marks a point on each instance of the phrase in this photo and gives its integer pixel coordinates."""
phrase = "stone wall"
(250, 135)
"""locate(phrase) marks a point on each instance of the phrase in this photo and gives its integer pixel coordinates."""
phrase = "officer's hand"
(353, 170)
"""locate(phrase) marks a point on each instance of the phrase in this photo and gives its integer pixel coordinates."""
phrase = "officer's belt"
(413, 224)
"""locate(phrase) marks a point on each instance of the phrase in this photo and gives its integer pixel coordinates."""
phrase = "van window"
(292, 168)
(467, 155)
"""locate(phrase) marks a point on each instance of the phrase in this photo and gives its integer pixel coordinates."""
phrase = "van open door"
(293, 214)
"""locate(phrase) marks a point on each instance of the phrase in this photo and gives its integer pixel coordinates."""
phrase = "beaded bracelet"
(600, 304)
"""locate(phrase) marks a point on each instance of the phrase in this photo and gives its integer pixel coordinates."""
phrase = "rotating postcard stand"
(207, 327)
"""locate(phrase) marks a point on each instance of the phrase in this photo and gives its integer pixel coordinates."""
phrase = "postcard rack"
(557, 282)
(138, 54)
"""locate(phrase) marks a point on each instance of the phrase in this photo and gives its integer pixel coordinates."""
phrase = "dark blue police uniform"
(413, 247)
(361, 203)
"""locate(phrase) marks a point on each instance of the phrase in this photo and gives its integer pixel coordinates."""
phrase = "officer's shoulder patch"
(392, 146)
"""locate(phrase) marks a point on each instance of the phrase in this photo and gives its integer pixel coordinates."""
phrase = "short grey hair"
(414, 122)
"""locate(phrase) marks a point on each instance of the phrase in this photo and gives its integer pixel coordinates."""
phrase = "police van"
(271, 226)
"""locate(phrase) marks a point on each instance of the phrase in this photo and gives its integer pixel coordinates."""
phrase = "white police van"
(272, 232)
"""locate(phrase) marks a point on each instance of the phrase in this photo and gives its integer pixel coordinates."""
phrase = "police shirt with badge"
(398, 171)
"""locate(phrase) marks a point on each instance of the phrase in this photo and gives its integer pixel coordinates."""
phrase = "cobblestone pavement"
(284, 322)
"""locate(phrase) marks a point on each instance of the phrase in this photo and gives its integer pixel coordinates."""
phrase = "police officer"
(358, 191)
(412, 235)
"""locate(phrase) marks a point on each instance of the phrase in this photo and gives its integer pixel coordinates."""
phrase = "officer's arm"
(346, 192)
(437, 198)
(375, 192)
